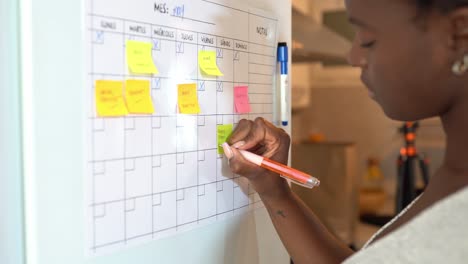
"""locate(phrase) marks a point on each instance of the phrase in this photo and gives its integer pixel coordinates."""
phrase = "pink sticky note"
(241, 99)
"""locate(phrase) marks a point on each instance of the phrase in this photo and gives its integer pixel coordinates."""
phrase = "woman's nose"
(356, 55)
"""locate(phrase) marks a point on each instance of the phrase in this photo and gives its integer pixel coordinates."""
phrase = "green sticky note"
(224, 131)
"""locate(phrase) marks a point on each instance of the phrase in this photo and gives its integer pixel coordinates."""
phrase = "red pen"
(284, 171)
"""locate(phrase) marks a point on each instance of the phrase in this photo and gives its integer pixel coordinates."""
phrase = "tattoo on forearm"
(280, 212)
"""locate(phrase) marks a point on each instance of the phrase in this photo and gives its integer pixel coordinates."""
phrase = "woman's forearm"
(304, 236)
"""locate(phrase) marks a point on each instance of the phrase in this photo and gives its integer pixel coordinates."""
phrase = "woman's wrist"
(275, 191)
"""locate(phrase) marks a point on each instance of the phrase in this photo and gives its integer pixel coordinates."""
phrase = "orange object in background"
(403, 152)
(316, 137)
(411, 151)
(410, 137)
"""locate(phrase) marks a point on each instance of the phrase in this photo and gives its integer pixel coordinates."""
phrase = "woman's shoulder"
(439, 233)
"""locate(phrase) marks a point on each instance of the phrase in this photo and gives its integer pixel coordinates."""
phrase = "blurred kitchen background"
(340, 134)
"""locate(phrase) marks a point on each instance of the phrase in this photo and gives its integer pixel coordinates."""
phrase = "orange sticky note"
(109, 98)
(139, 57)
(138, 97)
(188, 99)
(241, 99)
(207, 63)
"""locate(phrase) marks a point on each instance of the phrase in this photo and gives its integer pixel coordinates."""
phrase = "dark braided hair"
(441, 5)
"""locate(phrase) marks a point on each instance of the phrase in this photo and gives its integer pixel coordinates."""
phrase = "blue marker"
(282, 58)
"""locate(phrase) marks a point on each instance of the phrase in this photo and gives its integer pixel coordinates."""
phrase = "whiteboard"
(157, 175)
(153, 176)
(61, 113)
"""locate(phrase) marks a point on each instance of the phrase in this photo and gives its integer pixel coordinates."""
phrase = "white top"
(390, 222)
(439, 234)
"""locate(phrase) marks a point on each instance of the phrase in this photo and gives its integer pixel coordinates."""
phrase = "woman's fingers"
(253, 134)
(268, 140)
(237, 162)
(240, 132)
(261, 137)
(227, 151)
(256, 137)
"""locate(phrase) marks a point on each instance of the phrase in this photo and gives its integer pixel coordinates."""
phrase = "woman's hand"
(262, 138)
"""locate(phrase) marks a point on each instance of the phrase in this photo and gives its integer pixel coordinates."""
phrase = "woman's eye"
(368, 44)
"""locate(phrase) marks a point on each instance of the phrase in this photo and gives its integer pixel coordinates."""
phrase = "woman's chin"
(403, 116)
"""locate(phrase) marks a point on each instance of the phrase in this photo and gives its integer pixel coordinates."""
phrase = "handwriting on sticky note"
(188, 99)
(109, 98)
(138, 97)
(241, 99)
(207, 63)
(224, 132)
(139, 57)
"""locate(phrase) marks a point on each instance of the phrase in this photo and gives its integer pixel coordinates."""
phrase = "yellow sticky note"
(207, 63)
(224, 132)
(188, 99)
(109, 98)
(138, 97)
(139, 57)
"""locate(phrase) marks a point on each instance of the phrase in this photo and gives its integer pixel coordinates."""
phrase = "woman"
(414, 60)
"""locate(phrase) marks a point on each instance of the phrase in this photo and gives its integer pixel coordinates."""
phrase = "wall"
(318, 6)
(11, 225)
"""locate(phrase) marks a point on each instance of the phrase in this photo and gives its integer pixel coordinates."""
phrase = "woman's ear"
(459, 40)
(459, 30)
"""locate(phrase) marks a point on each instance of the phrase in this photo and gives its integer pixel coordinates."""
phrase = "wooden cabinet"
(335, 201)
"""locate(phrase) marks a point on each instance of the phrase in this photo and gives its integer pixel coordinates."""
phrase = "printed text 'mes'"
(162, 8)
